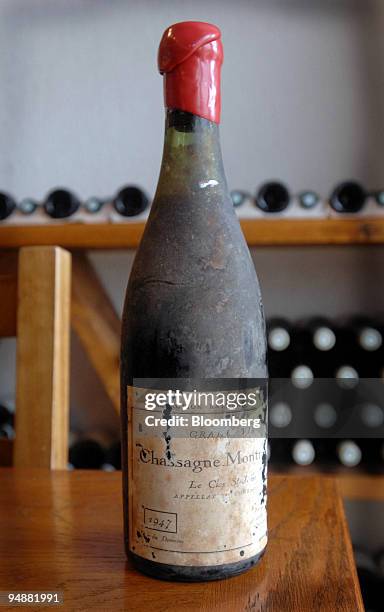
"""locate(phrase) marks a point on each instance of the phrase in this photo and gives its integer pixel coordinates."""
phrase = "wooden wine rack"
(258, 232)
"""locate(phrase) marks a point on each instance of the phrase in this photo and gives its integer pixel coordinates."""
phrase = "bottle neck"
(192, 158)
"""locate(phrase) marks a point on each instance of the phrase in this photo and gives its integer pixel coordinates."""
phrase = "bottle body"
(192, 311)
(61, 203)
(273, 197)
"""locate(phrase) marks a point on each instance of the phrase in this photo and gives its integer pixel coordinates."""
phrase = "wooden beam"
(97, 326)
(43, 327)
(258, 232)
(6, 452)
(8, 293)
(361, 486)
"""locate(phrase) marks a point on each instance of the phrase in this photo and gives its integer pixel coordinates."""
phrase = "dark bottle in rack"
(310, 451)
(319, 347)
(348, 197)
(325, 414)
(280, 415)
(280, 340)
(238, 197)
(113, 455)
(27, 206)
(87, 454)
(308, 199)
(7, 205)
(349, 453)
(93, 205)
(280, 452)
(272, 197)
(303, 452)
(130, 201)
(6, 423)
(368, 347)
(372, 450)
(368, 333)
(346, 365)
(301, 364)
(323, 336)
(61, 203)
(279, 333)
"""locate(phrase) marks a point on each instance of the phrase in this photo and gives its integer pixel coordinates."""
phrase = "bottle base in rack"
(183, 573)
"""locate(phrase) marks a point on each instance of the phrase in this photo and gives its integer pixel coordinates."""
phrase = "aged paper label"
(197, 498)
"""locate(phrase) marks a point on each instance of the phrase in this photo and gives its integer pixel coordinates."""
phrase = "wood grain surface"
(361, 486)
(265, 232)
(97, 325)
(8, 293)
(42, 385)
(63, 531)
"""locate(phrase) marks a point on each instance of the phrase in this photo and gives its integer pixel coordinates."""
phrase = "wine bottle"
(322, 335)
(7, 205)
(372, 454)
(192, 313)
(280, 415)
(280, 341)
(379, 197)
(279, 334)
(368, 334)
(87, 454)
(303, 452)
(349, 453)
(113, 456)
(238, 197)
(302, 375)
(279, 452)
(61, 203)
(130, 201)
(348, 197)
(272, 197)
(93, 205)
(7, 423)
(325, 415)
(308, 199)
(27, 206)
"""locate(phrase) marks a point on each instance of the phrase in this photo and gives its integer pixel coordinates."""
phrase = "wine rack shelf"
(258, 232)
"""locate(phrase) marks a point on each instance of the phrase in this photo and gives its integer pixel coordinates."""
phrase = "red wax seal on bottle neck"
(190, 58)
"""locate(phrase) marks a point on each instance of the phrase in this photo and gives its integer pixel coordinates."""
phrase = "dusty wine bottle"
(195, 505)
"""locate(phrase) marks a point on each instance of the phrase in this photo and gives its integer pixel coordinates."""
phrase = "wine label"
(197, 477)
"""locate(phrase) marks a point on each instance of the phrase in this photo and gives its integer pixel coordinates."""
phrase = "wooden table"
(63, 531)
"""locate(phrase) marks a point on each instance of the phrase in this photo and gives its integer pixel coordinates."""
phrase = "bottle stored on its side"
(130, 201)
(7, 205)
(87, 454)
(280, 342)
(322, 335)
(273, 197)
(7, 423)
(61, 203)
(348, 197)
(192, 312)
(303, 452)
(349, 453)
(279, 334)
(368, 333)
(368, 347)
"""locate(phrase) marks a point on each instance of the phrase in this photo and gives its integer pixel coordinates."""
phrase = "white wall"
(303, 101)
(81, 100)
